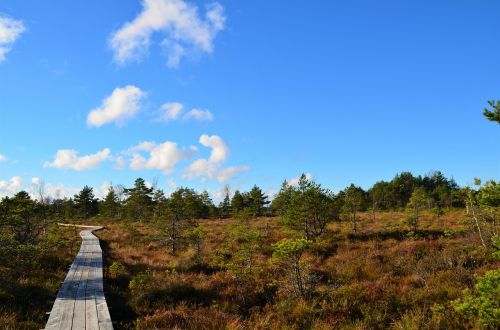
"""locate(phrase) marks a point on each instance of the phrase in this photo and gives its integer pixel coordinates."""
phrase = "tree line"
(147, 203)
(307, 204)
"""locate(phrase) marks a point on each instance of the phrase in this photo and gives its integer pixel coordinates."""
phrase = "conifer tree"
(237, 203)
(110, 206)
(139, 200)
(182, 209)
(418, 200)
(287, 255)
(354, 201)
(494, 113)
(159, 200)
(208, 209)
(22, 216)
(310, 209)
(85, 203)
(244, 241)
(258, 201)
(282, 200)
(225, 205)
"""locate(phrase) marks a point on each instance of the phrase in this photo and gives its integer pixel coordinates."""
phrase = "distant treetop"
(494, 113)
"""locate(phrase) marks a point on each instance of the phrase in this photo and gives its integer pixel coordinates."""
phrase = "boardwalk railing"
(80, 303)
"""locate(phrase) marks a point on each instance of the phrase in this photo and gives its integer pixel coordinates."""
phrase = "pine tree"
(310, 209)
(297, 276)
(379, 196)
(86, 204)
(182, 209)
(245, 242)
(110, 206)
(258, 201)
(208, 209)
(139, 200)
(195, 236)
(418, 200)
(282, 200)
(237, 203)
(225, 205)
(494, 113)
(354, 200)
(23, 217)
(159, 200)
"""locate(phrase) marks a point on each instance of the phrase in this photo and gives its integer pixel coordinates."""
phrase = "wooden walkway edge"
(80, 303)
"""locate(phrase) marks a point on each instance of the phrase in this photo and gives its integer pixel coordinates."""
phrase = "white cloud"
(162, 156)
(218, 194)
(170, 111)
(68, 158)
(178, 22)
(271, 193)
(228, 173)
(120, 163)
(48, 190)
(211, 168)
(220, 150)
(143, 146)
(122, 104)
(174, 51)
(198, 114)
(10, 31)
(10, 187)
(102, 190)
(172, 185)
(3, 158)
(200, 168)
(173, 110)
(61, 191)
(295, 181)
(56, 191)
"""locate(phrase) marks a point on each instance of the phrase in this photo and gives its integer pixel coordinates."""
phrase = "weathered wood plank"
(91, 321)
(80, 302)
(68, 301)
(61, 302)
(79, 310)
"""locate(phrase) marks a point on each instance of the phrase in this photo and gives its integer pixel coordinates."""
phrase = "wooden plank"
(68, 301)
(79, 310)
(91, 321)
(80, 302)
(58, 308)
(102, 307)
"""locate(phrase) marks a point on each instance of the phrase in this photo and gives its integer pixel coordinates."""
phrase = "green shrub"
(141, 280)
(116, 268)
(495, 241)
(484, 303)
(412, 236)
(438, 211)
(448, 234)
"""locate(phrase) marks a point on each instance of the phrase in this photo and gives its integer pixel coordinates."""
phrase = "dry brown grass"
(31, 277)
(378, 278)
(381, 277)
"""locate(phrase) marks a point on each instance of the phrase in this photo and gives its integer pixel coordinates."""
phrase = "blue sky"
(204, 94)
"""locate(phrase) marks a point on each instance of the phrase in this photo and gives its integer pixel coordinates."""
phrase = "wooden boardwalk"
(80, 303)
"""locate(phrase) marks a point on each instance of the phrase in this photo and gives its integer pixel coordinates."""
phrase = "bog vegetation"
(416, 252)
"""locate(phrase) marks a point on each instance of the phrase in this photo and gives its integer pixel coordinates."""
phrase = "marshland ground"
(364, 269)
